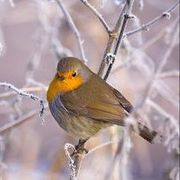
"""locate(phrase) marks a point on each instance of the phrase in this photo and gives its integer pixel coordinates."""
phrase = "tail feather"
(146, 133)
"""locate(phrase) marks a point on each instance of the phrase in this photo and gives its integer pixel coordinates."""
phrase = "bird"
(83, 103)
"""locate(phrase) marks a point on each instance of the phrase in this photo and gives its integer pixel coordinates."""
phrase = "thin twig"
(126, 16)
(147, 45)
(97, 14)
(168, 52)
(150, 86)
(102, 146)
(111, 42)
(165, 114)
(26, 94)
(153, 40)
(74, 29)
(166, 92)
(18, 122)
(27, 89)
(165, 14)
(59, 49)
(169, 74)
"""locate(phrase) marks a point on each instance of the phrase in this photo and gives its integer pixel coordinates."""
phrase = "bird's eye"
(74, 74)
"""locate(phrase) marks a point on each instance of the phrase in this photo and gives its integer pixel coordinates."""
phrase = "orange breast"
(56, 86)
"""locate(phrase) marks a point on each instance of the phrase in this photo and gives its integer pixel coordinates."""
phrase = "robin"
(82, 103)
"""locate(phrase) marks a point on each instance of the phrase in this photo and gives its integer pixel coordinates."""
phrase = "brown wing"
(96, 100)
(123, 101)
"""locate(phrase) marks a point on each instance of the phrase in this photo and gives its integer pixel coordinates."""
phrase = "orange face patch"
(63, 82)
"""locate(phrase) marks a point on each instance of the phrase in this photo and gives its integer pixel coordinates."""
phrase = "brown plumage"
(82, 103)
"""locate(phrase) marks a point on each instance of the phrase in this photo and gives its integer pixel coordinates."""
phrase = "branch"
(165, 14)
(111, 42)
(126, 16)
(169, 74)
(153, 40)
(17, 122)
(59, 49)
(75, 155)
(158, 71)
(97, 14)
(26, 94)
(74, 29)
(169, 50)
(166, 91)
(27, 89)
(165, 114)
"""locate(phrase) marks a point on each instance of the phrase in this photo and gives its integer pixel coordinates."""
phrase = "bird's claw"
(79, 149)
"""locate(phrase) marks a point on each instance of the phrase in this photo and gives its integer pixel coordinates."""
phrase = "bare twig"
(27, 89)
(158, 71)
(115, 39)
(166, 115)
(111, 42)
(165, 14)
(74, 29)
(168, 52)
(153, 40)
(126, 16)
(166, 92)
(18, 122)
(57, 46)
(148, 44)
(169, 74)
(26, 94)
(102, 146)
(97, 14)
(59, 50)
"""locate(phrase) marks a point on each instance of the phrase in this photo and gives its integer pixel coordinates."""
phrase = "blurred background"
(34, 149)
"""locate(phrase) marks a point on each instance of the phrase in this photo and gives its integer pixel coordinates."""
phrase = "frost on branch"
(25, 94)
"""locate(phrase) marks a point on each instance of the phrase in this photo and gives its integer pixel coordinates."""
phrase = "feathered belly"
(79, 126)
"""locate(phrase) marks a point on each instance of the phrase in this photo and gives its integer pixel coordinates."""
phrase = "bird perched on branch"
(82, 103)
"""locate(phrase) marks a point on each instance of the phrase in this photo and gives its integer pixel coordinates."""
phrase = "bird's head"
(71, 74)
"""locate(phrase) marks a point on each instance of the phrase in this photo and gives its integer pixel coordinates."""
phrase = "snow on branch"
(74, 29)
(97, 14)
(26, 94)
(145, 27)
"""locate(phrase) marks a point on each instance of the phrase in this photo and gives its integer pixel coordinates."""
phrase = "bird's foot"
(79, 148)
